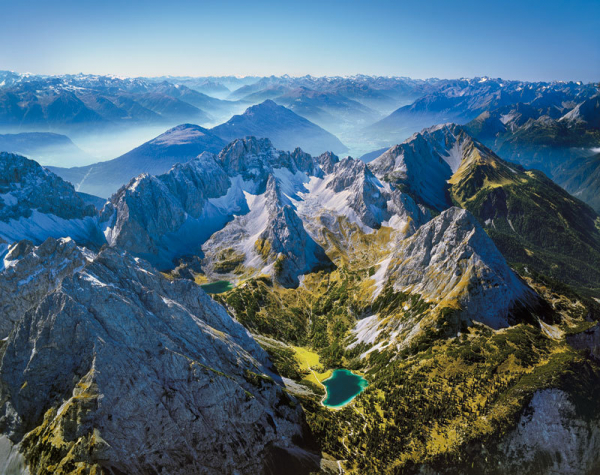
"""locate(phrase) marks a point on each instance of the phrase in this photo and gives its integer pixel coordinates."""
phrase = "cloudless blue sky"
(529, 40)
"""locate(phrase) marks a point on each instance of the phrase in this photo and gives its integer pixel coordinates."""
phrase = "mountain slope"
(535, 223)
(37, 204)
(121, 371)
(452, 262)
(173, 215)
(157, 156)
(422, 164)
(30, 272)
(283, 127)
(581, 178)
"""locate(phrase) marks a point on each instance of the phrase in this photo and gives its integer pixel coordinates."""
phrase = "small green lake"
(342, 387)
(217, 287)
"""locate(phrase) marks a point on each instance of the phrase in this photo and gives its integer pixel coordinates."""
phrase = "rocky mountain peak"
(423, 164)
(273, 192)
(117, 345)
(453, 263)
(25, 185)
(243, 155)
(327, 161)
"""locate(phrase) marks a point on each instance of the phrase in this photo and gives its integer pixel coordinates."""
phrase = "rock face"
(327, 161)
(452, 262)
(551, 437)
(350, 191)
(423, 164)
(30, 272)
(121, 370)
(172, 215)
(365, 197)
(286, 129)
(176, 145)
(270, 239)
(37, 204)
(587, 340)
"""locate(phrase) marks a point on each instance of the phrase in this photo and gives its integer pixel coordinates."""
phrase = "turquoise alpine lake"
(217, 287)
(342, 387)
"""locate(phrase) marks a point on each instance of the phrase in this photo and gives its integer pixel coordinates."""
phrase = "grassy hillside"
(536, 224)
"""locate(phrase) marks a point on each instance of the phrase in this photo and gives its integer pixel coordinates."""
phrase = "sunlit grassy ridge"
(536, 225)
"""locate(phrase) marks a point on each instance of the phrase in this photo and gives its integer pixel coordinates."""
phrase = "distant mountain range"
(460, 101)
(85, 104)
(561, 141)
(365, 112)
(283, 127)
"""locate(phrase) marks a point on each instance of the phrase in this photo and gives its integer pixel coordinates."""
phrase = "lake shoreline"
(344, 378)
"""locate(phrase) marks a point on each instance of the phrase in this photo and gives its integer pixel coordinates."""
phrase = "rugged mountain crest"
(253, 158)
(30, 272)
(452, 262)
(269, 239)
(173, 215)
(118, 361)
(365, 198)
(423, 164)
(327, 161)
(37, 204)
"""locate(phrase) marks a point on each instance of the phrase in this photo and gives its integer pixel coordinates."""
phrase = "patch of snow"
(366, 331)
(39, 226)
(505, 118)
(454, 157)
(380, 276)
(9, 199)
(178, 136)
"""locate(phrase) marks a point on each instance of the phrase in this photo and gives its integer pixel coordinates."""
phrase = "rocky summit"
(120, 370)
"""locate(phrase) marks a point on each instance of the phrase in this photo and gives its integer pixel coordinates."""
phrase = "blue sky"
(529, 40)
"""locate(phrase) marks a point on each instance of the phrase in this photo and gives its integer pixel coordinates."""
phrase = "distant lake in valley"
(217, 287)
(342, 387)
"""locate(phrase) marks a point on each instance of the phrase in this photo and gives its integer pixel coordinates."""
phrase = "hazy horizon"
(258, 77)
(536, 41)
